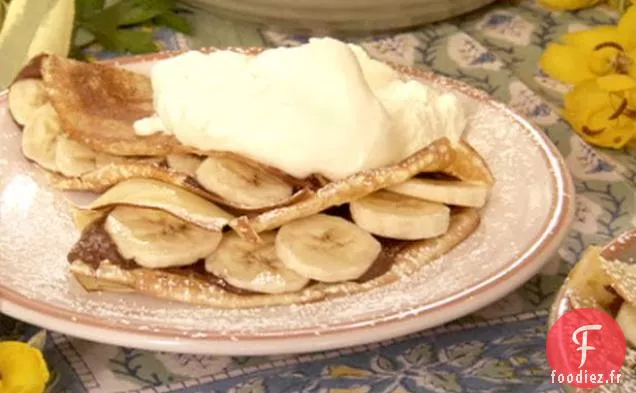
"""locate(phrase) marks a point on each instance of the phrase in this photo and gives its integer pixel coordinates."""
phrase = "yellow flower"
(601, 63)
(22, 368)
(569, 5)
(627, 26)
(603, 111)
(620, 4)
(590, 54)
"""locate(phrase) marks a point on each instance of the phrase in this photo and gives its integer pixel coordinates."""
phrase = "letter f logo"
(583, 345)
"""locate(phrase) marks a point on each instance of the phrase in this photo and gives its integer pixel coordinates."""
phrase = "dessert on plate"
(242, 178)
(608, 285)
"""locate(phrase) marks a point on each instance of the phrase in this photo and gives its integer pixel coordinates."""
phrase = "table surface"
(498, 349)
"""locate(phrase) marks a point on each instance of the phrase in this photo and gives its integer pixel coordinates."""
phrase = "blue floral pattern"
(498, 349)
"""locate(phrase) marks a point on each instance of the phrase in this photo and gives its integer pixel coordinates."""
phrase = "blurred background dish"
(621, 248)
(339, 16)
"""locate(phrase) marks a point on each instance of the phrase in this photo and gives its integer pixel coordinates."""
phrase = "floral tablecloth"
(498, 349)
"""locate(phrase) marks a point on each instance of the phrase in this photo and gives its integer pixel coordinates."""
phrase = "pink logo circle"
(586, 348)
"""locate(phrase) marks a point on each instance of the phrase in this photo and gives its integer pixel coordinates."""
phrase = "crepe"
(97, 105)
(188, 285)
(433, 158)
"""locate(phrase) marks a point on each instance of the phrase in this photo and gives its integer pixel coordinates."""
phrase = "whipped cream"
(324, 107)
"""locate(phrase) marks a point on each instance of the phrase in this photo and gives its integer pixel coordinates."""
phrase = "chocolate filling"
(437, 176)
(197, 271)
(616, 304)
(95, 246)
(384, 261)
(192, 182)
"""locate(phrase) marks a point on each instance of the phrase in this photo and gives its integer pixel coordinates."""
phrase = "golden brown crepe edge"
(84, 93)
(435, 157)
(109, 176)
(191, 290)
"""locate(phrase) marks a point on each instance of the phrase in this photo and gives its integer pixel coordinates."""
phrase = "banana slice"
(588, 279)
(326, 248)
(166, 197)
(626, 318)
(397, 216)
(186, 163)
(83, 218)
(253, 266)
(241, 183)
(25, 97)
(156, 239)
(73, 158)
(40, 137)
(456, 193)
(44, 142)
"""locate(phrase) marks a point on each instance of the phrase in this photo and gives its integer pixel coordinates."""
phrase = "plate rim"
(456, 305)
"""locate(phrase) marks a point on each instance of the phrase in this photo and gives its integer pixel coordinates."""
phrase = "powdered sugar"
(34, 242)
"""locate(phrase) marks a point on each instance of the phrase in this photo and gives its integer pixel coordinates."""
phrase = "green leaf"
(87, 8)
(174, 22)
(78, 54)
(109, 26)
(83, 37)
(421, 354)
(135, 41)
(126, 40)
(131, 12)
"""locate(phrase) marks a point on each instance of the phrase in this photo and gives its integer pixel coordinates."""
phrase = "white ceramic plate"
(622, 248)
(526, 219)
